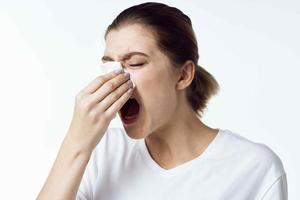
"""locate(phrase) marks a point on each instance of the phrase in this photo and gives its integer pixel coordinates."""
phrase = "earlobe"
(186, 75)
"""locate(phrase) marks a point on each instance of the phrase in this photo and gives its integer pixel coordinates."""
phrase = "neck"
(181, 140)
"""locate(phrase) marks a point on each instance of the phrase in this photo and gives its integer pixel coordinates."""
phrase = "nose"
(123, 64)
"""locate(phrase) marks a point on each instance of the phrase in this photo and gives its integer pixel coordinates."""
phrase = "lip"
(134, 96)
(128, 122)
(132, 121)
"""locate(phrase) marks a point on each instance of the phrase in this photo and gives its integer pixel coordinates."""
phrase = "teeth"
(130, 117)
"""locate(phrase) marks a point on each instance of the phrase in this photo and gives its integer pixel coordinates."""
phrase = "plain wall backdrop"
(50, 50)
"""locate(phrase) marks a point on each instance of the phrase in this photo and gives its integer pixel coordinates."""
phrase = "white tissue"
(111, 66)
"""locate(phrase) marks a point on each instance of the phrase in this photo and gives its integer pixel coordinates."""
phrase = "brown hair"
(176, 38)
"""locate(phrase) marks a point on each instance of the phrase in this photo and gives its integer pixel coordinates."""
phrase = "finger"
(99, 81)
(117, 105)
(114, 96)
(108, 88)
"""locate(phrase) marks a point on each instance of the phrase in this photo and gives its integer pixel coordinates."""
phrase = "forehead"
(130, 38)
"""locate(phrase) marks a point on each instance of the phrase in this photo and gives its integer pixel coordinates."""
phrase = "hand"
(96, 105)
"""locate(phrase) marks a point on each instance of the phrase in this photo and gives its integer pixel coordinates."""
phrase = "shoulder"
(253, 161)
(258, 155)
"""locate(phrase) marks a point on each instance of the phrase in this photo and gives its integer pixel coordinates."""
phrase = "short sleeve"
(278, 190)
(81, 196)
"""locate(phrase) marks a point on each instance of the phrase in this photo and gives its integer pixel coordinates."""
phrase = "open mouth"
(130, 111)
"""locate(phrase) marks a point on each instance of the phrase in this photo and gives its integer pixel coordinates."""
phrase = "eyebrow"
(126, 56)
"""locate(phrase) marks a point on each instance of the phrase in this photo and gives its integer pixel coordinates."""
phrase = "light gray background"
(49, 50)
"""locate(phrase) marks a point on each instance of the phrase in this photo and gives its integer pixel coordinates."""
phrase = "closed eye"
(139, 64)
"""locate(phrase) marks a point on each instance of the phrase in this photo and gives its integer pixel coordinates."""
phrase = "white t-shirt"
(231, 168)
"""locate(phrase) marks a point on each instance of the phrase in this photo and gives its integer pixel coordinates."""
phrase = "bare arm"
(65, 176)
(95, 107)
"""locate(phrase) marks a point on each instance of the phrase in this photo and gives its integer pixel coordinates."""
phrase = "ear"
(186, 75)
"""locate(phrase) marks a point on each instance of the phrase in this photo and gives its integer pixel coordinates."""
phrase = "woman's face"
(155, 79)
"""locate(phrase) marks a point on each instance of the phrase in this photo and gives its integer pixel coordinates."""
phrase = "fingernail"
(130, 90)
(126, 74)
(129, 82)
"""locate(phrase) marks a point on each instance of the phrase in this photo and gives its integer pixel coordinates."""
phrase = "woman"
(166, 151)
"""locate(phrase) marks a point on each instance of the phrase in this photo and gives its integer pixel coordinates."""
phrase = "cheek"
(155, 90)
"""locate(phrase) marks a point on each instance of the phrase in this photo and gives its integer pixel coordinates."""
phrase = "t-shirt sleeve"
(278, 190)
(81, 196)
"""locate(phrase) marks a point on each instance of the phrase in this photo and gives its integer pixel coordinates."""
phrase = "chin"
(134, 133)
